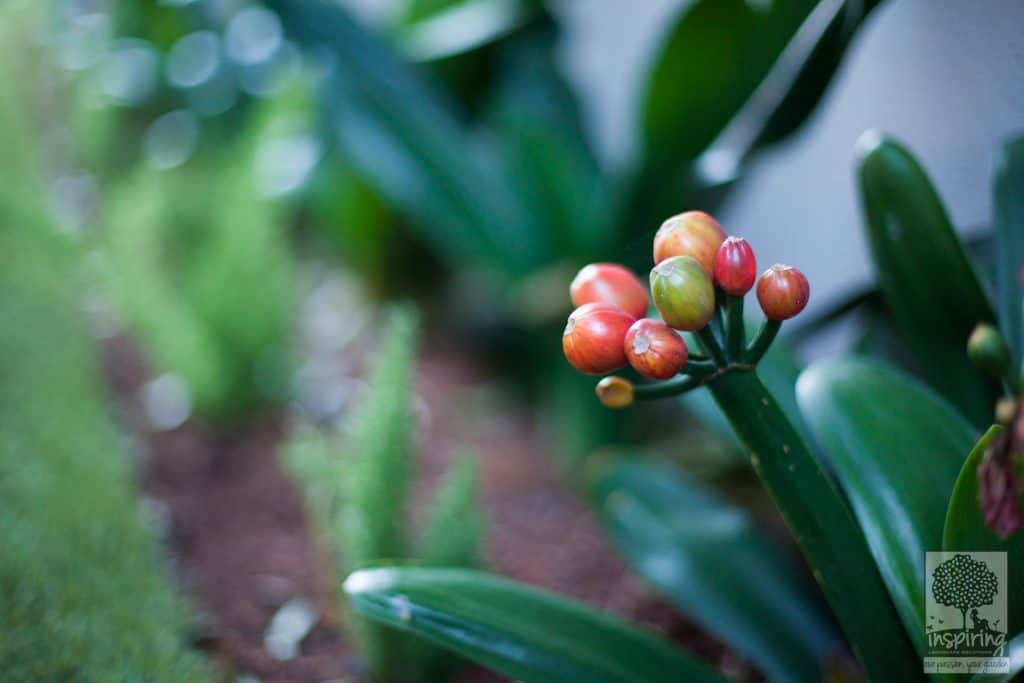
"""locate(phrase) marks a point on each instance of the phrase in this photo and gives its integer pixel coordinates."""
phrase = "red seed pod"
(782, 291)
(694, 234)
(594, 337)
(735, 266)
(609, 283)
(654, 349)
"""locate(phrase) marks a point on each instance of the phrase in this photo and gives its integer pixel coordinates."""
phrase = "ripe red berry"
(594, 338)
(654, 349)
(735, 266)
(782, 291)
(683, 293)
(694, 234)
(609, 283)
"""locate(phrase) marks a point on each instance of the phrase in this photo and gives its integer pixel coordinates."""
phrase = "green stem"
(736, 333)
(698, 368)
(718, 319)
(710, 344)
(822, 524)
(672, 387)
(765, 337)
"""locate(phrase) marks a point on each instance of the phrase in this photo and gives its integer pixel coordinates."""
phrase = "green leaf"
(714, 57)
(965, 528)
(1009, 230)
(461, 27)
(897, 450)
(539, 131)
(406, 138)
(526, 633)
(710, 559)
(1015, 651)
(928, 283)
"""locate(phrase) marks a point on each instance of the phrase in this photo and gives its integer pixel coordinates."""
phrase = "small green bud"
(988, 351)
(683, 293)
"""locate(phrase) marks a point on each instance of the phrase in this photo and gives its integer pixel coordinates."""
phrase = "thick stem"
(822, 524)
(672, 387)
(735, 333)
(698, 368)
(710, 344)
(765, 337)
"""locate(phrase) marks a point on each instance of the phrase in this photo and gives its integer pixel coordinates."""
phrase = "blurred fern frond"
(358, 492)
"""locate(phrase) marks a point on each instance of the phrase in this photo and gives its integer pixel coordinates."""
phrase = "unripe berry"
(654, 349)
(609, 283)
(987, 351)
(594, 337)
(735, 266)
(694, 234)
(615, 392)
(782, 291)
(683, 293)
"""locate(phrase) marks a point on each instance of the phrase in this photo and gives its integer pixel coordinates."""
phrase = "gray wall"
(945, 77)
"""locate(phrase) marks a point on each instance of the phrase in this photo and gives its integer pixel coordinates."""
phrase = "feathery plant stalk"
(358, 489)
(84, 594)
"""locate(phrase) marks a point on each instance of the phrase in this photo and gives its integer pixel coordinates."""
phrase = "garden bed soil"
(241, 543)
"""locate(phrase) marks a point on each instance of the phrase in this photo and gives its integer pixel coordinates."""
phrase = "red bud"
(594, 337)
(609, 283)
(735, 266)
(694, 234)
(783, 292)
(654, 349)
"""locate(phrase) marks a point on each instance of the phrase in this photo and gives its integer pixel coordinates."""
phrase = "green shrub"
(358, 493)
(83, 595)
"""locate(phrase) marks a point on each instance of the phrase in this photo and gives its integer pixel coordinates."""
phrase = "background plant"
(860, 413)
(83, 590)
(358, 489)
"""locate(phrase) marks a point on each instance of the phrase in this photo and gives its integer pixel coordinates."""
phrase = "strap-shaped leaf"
(965, 529)
(406, 138)
(1009, 229)
(529, 634)
(928, 283)
(710, 559)
(1015, 651)
(897, 449)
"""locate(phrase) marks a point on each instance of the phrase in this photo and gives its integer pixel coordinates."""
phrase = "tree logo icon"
(965, 584)
(966, 612)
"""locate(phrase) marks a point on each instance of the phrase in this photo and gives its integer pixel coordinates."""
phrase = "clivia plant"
(896, 467)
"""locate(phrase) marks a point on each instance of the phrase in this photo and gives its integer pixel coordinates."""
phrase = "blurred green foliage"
(83, 593)
(202, 267)
(359, 492)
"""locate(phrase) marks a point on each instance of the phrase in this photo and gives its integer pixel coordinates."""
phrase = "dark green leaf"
(927, 281)
(1009, 229)
(1015, 651)
(528, 634)
(965, 528)
(461, 27)
(897, 450)
(407, 140)
(712, 60)
(708, 557)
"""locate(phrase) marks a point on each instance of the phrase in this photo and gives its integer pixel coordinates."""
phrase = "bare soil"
(243, 546)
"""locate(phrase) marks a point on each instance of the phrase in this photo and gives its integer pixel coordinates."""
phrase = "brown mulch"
(236, 527)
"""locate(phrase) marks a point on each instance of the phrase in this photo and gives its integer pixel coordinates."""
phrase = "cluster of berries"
(697, 271)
